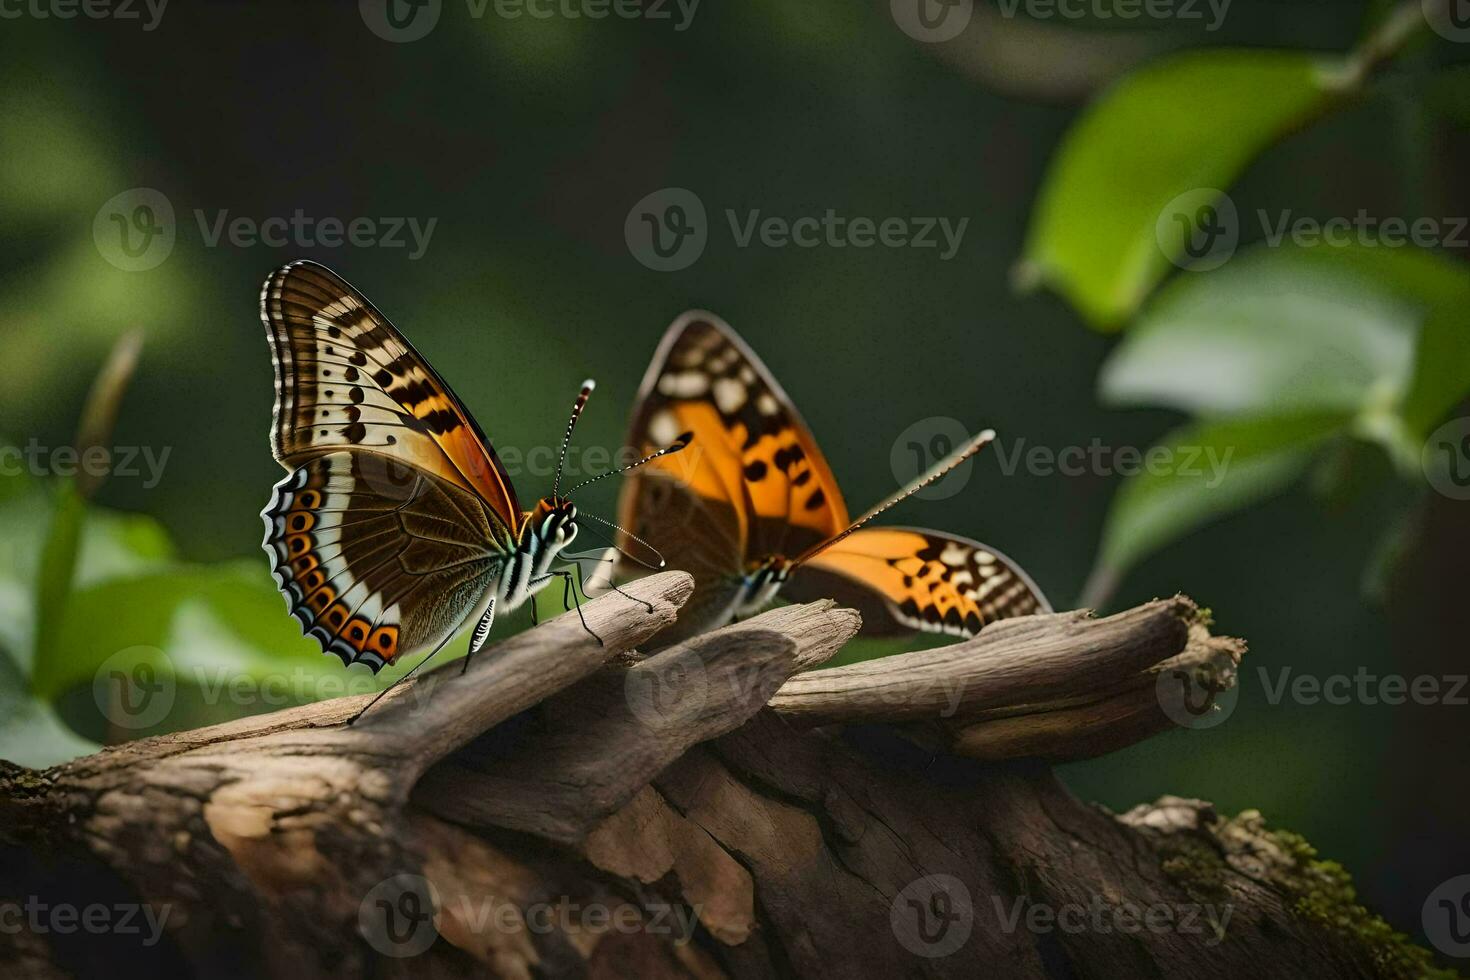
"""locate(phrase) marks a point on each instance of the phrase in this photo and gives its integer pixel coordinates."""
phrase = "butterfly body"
(546, 533)
(754, 510)
(396, 522)
(758, 588)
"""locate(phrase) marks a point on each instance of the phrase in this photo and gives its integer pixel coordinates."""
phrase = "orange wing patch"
(935, 582)
(750, 447)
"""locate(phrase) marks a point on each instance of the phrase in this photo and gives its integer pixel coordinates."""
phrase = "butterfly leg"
(578, 559)
(353, 720)
(531, 602)
(568, 590)
(481, 633)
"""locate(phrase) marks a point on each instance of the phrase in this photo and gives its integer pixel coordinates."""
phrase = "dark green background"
(530, 141)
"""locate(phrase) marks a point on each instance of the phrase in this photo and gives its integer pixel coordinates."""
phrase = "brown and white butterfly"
(396, 523)
(754, 509)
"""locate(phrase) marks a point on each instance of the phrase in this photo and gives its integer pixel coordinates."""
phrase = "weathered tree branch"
(570, 809)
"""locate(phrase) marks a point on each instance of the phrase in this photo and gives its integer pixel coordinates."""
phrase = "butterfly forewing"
(347, 379)
(752, 482)
(749, 445)
(395, 517)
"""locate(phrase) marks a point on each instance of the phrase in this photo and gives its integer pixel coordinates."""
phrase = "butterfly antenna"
(680, 443)
(587, 388)
(622, 530)
(933, 475)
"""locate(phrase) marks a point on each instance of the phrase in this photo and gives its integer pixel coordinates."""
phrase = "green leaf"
(37, 533)
(1436, 289)
(1380, 332)
(1185, 123)
(58, 565)
(1272, 331)
(164, 609)
(1215, 468)
(1442, 363)
(30, 733)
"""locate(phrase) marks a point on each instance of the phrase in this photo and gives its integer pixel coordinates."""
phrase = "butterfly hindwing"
(701, 534)
(347, 379)
(919, 580)
(376, 557)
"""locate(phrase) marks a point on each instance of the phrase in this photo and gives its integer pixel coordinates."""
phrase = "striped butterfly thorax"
(396, 521)
(755, 510)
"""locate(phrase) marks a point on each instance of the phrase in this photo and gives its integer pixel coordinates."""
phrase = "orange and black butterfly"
(754, 508)
(396, 523)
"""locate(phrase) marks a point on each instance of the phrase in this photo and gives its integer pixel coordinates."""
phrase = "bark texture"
(726, 807)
